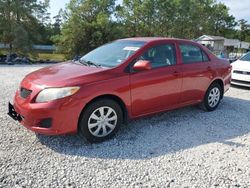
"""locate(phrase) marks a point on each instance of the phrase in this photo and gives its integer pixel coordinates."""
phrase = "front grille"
(240, 82)
(24, 93)
(242, 72)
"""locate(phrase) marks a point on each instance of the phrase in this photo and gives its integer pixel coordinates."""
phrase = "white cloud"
(240, 9)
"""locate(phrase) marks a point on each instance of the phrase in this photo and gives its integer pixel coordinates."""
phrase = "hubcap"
(214, 97)
(102, 121)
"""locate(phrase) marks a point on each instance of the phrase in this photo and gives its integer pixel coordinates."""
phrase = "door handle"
(176, 73)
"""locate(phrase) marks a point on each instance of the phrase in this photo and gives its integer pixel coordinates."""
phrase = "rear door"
(196, 70)
(159, 88)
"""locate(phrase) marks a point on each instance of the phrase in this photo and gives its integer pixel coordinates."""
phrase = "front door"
(159, 88)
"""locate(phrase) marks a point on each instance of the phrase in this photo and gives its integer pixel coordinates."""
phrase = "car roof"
(159, 39)
(152, 39)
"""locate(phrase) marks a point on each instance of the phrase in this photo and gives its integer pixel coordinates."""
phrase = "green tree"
(138, 17)
(221, 22)
(88, 24)
(58, 22)
(175, 18)
(20, 21)
(244, 30)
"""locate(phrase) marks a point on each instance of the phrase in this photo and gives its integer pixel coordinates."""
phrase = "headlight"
(55, 93)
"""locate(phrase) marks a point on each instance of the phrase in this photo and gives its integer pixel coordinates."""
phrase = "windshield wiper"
(88, 63)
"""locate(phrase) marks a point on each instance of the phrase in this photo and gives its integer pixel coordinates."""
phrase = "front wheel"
(213, 97)
(100, 120)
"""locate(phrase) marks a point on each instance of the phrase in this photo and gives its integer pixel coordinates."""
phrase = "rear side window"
(205, 57)
(192, 54)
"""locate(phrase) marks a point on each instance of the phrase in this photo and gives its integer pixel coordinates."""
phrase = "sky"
(238, 8)
(56, 5)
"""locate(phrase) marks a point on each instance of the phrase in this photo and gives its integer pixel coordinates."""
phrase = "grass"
(51, 57)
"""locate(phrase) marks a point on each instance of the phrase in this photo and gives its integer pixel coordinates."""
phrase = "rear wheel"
(213, 97)
(101, 120)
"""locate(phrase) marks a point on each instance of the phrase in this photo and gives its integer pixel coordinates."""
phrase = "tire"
(100, 120)
(212, 97)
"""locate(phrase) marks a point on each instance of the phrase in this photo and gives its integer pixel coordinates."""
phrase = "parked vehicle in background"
(9, 58)
(21, 60)
(241, 71)
(223, 56)
(232, 58)
(2, 58)
(77, 57)
(125, 79)
(13, 58)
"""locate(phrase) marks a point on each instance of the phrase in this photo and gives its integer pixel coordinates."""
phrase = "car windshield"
(246, 57)
(112, 54)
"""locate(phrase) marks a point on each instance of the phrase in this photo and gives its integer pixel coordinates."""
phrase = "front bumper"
(240, 79)
(52, 118)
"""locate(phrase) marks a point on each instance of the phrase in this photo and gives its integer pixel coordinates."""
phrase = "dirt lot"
(183, 148)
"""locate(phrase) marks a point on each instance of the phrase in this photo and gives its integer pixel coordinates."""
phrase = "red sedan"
(125, 79)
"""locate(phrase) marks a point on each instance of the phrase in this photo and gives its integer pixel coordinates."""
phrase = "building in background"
(219, 45)
(38, 48)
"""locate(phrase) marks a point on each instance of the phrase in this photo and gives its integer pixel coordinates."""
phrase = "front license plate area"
(13, 114)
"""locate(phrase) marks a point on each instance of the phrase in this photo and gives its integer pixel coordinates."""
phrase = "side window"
(205, 57)
(161, 55)
(192, 54)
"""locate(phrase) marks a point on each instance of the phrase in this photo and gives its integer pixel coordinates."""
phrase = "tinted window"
(246, 57)
(192, 54)
(161, 55)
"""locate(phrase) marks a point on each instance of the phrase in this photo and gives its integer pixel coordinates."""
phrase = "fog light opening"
(46, 123)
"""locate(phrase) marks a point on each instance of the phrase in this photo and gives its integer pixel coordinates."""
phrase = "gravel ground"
(182, 148)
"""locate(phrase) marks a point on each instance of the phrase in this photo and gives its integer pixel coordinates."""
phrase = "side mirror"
(142, 65)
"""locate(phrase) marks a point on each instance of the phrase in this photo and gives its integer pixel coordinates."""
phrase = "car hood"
(241, 65)
(64, 74)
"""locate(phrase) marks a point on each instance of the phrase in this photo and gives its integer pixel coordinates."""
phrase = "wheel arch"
(115, 98)
(220, 82)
